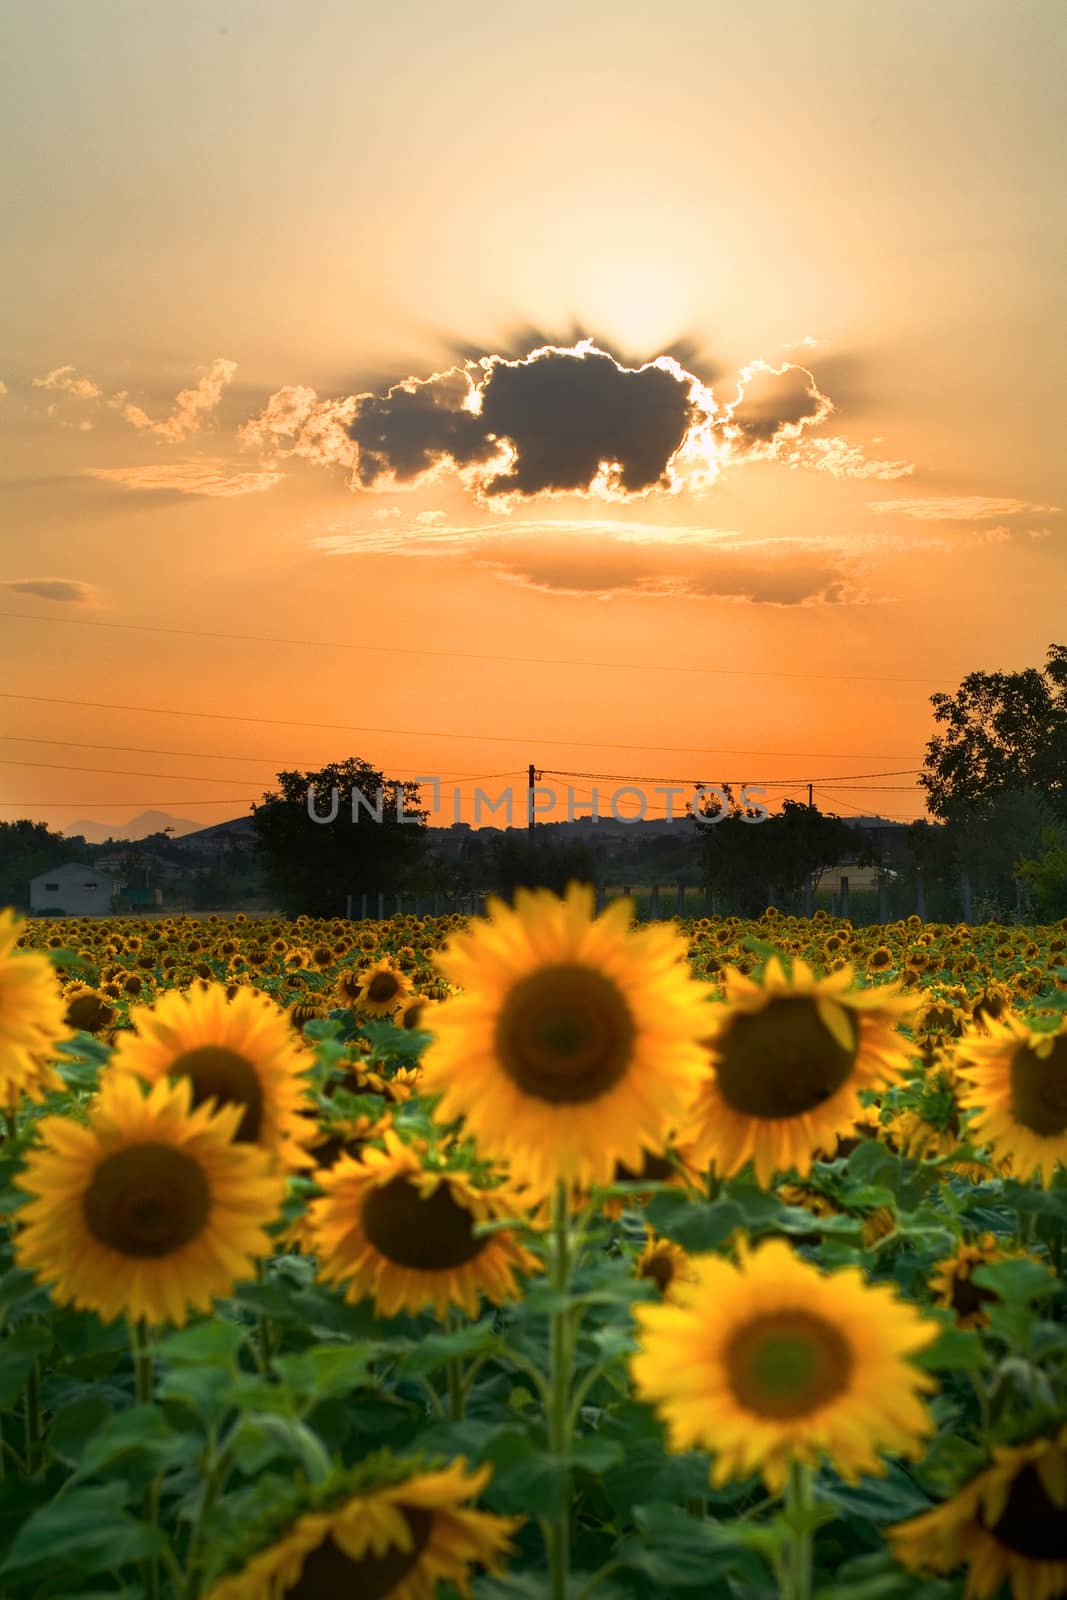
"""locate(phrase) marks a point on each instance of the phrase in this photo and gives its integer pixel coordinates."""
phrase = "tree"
(1003, 731)
(743, 859)
(311, 865)
(516, 863)
(28, 848)
(1046, 876)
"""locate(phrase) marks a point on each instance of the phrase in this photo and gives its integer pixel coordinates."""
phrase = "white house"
(77, 890)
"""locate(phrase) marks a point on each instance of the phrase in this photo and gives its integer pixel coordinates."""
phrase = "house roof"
(71, 869)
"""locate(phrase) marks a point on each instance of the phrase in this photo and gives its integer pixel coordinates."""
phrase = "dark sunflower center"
(431, 1235)
(383, 986)
(787, 1364)
(782, 1061)
(657, 1169)
(565, 1034)
(328, 1572)
(1031, 1524)
(223, 1075)
(88, 1012)
(147, 1201)
(1039, 1090)
(660, 1268)
(967, 1297)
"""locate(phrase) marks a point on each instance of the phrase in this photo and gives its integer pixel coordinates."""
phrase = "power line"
(214, 755)
(433, 733)
(463, 655)
(859, 812)
(622, 777)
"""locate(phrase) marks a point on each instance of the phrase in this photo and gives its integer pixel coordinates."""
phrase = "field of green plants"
(541, 1256)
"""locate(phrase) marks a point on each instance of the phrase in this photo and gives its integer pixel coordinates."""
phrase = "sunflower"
(788, 1059)
(1008, 1525)
(88, 1010)
(32, 1013)
(575, 1042)
(384, 990)
(387, 1529)
(952, 1284)
(403, 1233)
(771, 1362)
(417, 1014)
(665, 1264)
(1017, 1083)
(348, 986)
(239, 1050)
(148, 1210)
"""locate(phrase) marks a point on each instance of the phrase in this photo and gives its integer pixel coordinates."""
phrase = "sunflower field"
(539, 1256)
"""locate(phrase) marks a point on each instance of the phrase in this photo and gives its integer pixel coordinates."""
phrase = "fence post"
(348, 908)
(772, 894)
(363, 907)
(381, 906)
(680, 907)
(809, 896)
(653, 904)
(843, 907)
(600, 898)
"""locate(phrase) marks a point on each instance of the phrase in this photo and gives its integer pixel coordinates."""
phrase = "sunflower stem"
(798, 1503)
(144, 1386)
(265, 1329)
(453, 1323)
(559, 1386)
(33, 1419)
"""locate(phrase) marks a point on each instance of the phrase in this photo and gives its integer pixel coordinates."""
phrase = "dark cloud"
(773, 402)
(564, 414)
(67, 590)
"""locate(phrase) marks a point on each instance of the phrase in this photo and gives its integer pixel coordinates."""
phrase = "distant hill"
(137, 828)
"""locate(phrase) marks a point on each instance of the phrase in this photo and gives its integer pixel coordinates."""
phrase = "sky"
(655, 395)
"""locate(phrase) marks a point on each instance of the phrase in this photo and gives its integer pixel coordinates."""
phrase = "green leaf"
(597, 1455)
(263, 1436)
(696, 1227)
(872, 1163)
(207, 1343)
(1017, 1282)
(19, 1351)
(675, 1551)
(142, 1432)
(954, 1350)
(75, 1425)
(88, 1529)
(437, 1349)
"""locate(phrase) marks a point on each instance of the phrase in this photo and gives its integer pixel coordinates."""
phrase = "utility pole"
(809, 798)
(531, 775)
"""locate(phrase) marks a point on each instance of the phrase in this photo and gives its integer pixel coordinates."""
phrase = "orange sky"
(805, 470)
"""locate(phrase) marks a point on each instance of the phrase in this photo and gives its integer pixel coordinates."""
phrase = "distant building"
(78, 891)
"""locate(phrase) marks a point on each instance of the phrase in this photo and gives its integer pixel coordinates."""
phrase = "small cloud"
(67, 591)
(190, 406)
(295, 422)
(807, 343)
(955, 508)
(1039, 533)
(429, 519)
(212, 477)
(63, 379)
(841, 460)
(387, 514)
